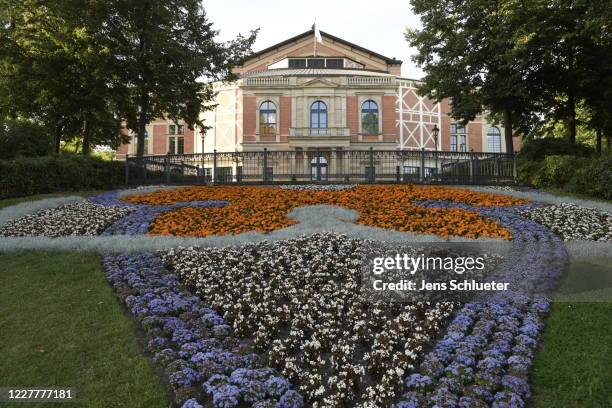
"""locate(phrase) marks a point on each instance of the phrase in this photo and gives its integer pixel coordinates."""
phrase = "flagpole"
(314, 36)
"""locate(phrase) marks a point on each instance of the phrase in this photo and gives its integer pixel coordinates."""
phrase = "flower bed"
(264, 209)
(571, 222)
(301, 302)
(82, 218)
(202, 360)
(485, 357)
(139, 220)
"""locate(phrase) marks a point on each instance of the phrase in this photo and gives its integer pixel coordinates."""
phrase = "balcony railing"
(267, 81)
(308, 131)
(371, 80)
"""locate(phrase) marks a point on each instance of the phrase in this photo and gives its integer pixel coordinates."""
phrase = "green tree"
(164, 50)
(530, 63)
(466, 49)
(55, 69)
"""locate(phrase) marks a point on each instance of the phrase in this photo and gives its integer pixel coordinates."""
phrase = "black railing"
(337, 166)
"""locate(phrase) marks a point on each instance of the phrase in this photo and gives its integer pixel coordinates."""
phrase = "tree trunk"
(57, 139)
(142, 124)
(87, 138)
(144, 95)
(508, 130)
(609, 142)
(571, 118)
(599, 136)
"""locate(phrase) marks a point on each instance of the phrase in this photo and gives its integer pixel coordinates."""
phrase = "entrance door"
(318, 168)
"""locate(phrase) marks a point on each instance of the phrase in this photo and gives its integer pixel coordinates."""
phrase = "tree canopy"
(527, 63)
(88, 69)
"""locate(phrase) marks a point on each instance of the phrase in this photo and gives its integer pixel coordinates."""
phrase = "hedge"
(51, 174)
(590, 176)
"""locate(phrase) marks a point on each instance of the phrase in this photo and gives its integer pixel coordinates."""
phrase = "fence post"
(167, 168)
(371, 175)
(144, 168)
(265, 165)
(422, 170)
(471, 167)
(214, 169)
(318, 153)
(127, 170)
(514, 169)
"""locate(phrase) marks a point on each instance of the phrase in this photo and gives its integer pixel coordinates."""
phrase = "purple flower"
(507, 400)
(418, 382)
(191, 403)
(226, 396)
(277, 386)
(291, 399)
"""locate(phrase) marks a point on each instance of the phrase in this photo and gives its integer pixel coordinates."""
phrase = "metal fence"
(321, 166)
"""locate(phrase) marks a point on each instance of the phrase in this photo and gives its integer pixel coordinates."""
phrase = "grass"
(573, 367)
(12, 201)
(61, 326)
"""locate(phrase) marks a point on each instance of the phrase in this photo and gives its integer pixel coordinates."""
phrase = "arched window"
(369, 118)
(494, 140)
(267, 118)
(318, 115)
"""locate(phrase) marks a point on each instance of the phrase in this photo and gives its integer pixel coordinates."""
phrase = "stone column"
(305, 164)
(332, 163)
(293, 162)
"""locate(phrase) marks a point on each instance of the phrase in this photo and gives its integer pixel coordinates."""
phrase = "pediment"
(320, 83)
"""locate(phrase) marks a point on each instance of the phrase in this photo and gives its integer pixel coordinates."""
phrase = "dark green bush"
(24, 139)
(51, 174)
(557, 171)
(593, 177)
(535, 150)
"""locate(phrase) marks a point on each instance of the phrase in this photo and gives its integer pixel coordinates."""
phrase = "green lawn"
(61, 326)
(12, 201)
(574, 365)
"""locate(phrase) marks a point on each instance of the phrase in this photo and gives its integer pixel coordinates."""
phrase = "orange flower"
(265, 209)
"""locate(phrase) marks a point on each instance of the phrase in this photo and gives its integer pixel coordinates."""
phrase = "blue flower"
(291, 399)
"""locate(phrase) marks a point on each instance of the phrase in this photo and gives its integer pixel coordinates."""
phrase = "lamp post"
(436, 131)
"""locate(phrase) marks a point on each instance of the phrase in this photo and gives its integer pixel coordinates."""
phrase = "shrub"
(593, 177)
(535, 150)
(557, 171)
(50, 174)
(23, 139)
(526, 171)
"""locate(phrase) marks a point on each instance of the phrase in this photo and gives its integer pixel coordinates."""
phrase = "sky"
(377, 25)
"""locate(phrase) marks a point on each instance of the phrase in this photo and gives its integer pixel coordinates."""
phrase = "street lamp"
(436, 131)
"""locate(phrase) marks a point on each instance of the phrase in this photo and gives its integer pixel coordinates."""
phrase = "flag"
(317, 33)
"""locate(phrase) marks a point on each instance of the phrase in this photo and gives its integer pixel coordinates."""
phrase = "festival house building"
(318, 106)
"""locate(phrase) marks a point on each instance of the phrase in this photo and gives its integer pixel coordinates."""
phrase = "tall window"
(458, 138)
(176, 139)
(318, 115)
(369, 118)
(267, 118)
(494, 140)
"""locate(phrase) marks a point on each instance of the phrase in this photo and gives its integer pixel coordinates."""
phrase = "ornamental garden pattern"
(282, 324)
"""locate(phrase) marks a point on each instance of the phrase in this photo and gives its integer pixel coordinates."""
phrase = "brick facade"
(285, 118)
(352, 117)
(389, 118)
